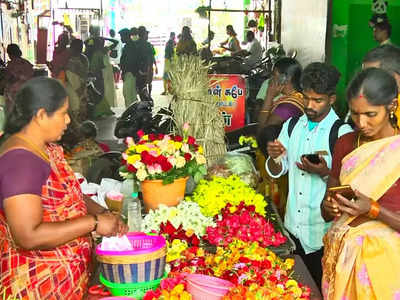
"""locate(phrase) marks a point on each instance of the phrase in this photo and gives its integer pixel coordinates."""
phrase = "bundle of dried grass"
(193, 104)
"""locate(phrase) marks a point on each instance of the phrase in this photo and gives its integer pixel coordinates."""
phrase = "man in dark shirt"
(128, 67)
(144, 59)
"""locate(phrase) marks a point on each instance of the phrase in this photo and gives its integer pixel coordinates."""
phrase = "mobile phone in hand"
(344, 190)
(313, 158)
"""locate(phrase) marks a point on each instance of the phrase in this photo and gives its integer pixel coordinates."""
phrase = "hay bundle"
(193, 104)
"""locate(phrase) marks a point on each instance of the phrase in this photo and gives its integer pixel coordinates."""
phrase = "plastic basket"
(146, 262)
(134, 290)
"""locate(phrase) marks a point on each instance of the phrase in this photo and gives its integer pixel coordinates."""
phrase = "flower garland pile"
(243, 223)
(186, 215)
(173, 288)
(254, 270)
(213, 196)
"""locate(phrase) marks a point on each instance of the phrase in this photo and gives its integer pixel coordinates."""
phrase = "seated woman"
(61, 55)
(283, 101)
(232, 43)
(361, 257)
(45, 221)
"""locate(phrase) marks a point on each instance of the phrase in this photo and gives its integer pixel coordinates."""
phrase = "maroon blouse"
(346, 144)
(22, 172)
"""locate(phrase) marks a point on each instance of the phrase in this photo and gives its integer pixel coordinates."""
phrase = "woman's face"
(369, 119)
(57, 123)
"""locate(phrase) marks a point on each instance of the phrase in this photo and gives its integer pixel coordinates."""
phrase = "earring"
(391, 116)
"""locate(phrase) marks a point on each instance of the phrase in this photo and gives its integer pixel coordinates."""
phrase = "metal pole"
(209, 26)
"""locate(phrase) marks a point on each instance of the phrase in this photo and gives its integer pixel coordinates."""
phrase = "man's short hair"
(321, 78)
(250, 34)
(388, 57)
(384, 26)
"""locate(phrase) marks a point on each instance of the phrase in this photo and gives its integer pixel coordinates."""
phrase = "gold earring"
(391, 115)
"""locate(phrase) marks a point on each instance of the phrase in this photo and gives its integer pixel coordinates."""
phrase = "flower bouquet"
(165, 157)
(242, 222)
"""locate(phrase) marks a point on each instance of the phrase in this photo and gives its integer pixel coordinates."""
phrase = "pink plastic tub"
(203, 287)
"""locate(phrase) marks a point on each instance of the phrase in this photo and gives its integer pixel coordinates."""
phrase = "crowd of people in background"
(306, 148)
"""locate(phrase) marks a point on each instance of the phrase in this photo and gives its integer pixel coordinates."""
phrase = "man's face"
(379, 35)
(317, 106)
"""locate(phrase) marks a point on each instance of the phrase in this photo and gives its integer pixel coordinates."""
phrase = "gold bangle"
(264, 111)
(374, 210)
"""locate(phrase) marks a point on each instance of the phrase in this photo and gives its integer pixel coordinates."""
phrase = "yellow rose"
(141, 174)
(133, 158)
(200, 159)
(180, 162)
(200, 150)
(145, 137)
(178, 145)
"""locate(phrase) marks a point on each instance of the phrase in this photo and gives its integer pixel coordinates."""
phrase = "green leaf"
(197, 177)
(203, 169)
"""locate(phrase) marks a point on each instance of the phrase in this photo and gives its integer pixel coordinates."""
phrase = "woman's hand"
(331, 207)
(361, 206)
(122, 227)
(108, 224)
(274, 89)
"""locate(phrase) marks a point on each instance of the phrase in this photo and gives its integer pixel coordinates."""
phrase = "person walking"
(168, 57)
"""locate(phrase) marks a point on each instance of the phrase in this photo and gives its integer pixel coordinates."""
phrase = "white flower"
(200, 159)
(141, 174)
(185, 148)
(180, 162)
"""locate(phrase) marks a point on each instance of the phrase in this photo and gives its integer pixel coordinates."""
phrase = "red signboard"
(229, 90)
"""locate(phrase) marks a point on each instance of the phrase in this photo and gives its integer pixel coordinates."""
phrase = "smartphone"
(313, 158)
(344, 190)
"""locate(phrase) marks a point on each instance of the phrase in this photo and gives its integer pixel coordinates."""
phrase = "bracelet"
(264, 111)
(374, 210)
(96, 220)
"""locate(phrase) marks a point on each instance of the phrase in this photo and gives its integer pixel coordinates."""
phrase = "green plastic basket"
(134, 290)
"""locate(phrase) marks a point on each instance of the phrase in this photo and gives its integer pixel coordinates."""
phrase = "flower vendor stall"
(222, 241)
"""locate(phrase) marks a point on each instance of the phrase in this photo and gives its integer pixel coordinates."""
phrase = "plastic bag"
(235, 163)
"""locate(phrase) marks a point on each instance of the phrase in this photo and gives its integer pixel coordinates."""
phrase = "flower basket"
(155, 192)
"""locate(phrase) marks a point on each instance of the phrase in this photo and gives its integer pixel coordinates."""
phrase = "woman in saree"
(101, 68)
(61, 55)
(232, 43)
(283, 101)
(45, 221)
(17, 72)
(361, 258)
(76, 79)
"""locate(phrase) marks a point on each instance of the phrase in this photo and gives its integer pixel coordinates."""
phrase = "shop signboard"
(229, 90)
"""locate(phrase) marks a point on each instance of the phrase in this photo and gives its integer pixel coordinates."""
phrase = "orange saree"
(60, 273)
